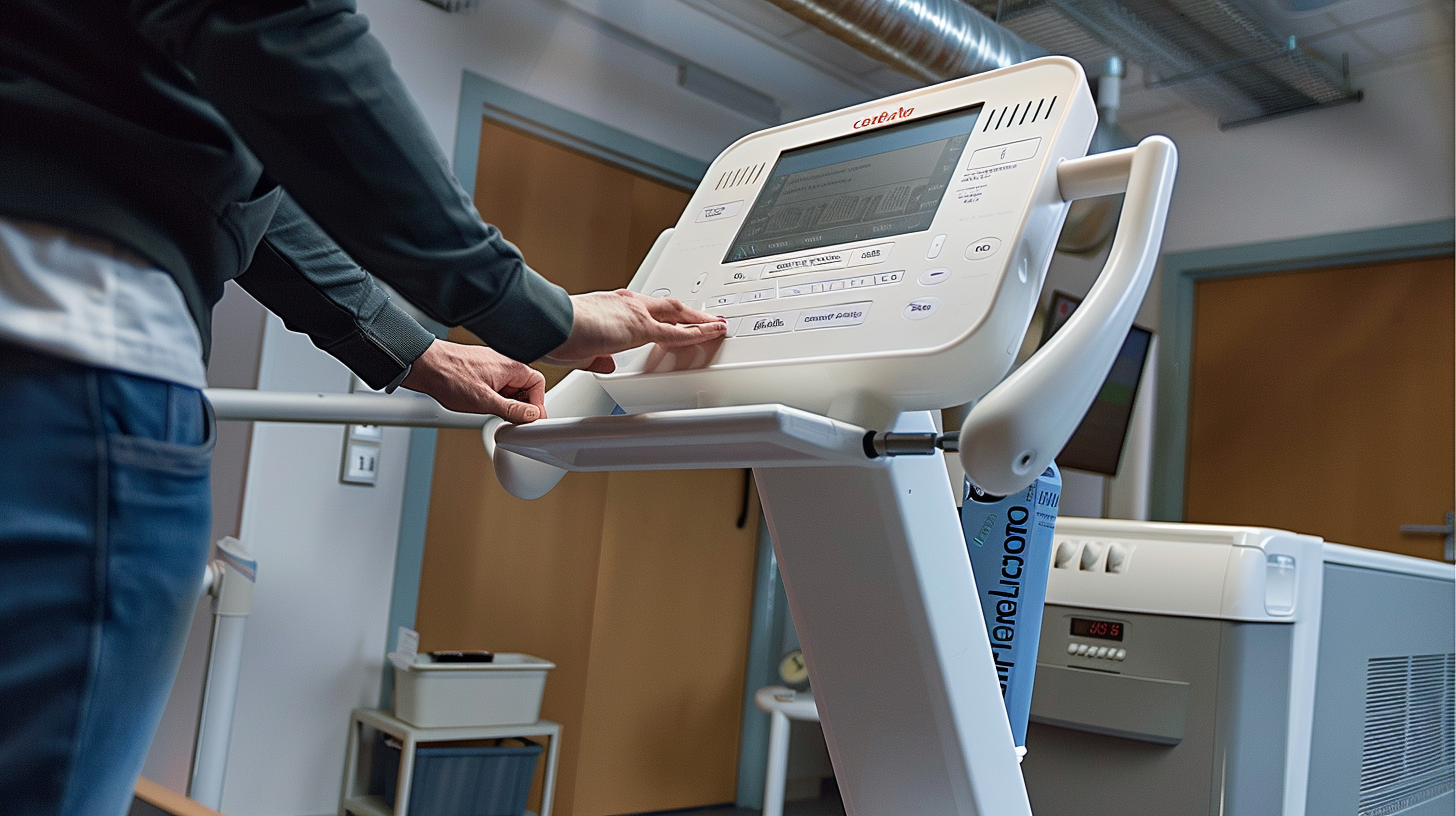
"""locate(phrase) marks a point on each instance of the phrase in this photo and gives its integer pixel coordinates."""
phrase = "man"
(150, 151)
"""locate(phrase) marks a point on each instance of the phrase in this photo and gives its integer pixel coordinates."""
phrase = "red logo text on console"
(884, 116)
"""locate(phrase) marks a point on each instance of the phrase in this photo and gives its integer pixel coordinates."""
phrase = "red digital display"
(1100, 629)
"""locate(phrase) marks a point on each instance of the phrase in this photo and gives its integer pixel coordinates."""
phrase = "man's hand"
(477, 380)
(608, 322)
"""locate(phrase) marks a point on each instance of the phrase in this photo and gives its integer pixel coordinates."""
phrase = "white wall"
(1385, 161)
(531, 46)
(315, 640)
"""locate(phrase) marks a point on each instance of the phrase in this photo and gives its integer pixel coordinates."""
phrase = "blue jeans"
(104, 526)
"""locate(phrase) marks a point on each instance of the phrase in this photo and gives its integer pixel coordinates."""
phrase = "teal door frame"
(1181, 273)
(481, 99)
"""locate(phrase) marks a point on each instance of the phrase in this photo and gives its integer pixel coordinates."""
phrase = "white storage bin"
(506, 691)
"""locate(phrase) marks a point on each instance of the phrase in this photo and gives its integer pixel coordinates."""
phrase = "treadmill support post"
(874, 563)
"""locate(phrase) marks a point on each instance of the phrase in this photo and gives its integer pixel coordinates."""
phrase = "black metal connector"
(890, 443)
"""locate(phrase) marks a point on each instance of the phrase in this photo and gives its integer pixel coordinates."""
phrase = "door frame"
(1181, 273)
(481, 99)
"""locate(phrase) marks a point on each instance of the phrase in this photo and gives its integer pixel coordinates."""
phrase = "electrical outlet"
(361, 455)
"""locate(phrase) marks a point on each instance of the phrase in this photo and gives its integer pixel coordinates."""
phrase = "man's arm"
(302, 276)
(314, 97)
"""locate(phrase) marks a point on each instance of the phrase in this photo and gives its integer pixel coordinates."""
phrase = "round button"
(1082, 648)
(1102, 651)
(921, 308)
(982, 248)
(1071, 648)
(698, 284)
(1121, 654)
(931, 277)
(661, 292)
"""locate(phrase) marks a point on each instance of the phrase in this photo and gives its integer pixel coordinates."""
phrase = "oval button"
(661, 292)
(982, 248)
(921, 308)
(931, 277)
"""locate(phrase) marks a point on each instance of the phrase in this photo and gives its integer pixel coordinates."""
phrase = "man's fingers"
(535, 394)
(672, 310)
(670, 336)
(515, 411)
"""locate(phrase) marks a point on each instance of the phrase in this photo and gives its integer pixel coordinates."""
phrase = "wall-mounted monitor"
(1097, 444)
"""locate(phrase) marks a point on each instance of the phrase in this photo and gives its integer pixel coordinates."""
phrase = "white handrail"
(1015, 431)
(347, 409)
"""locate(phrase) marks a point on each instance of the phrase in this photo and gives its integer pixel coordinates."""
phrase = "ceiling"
(1375, 35)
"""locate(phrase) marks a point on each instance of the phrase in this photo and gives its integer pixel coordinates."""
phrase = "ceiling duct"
(933, 40)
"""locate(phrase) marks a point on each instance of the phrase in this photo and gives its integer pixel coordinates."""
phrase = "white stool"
(782, 704)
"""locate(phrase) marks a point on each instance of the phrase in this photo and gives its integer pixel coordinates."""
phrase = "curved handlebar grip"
(577, 395)
(1017, 429)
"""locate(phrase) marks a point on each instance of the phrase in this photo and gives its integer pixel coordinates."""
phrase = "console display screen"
(885, 182)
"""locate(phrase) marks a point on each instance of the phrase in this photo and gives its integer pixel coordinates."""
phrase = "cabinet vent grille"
(1409, 745)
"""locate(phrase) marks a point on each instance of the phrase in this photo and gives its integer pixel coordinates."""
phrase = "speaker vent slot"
(1409, 745)
(740, 177)
(1032, 110)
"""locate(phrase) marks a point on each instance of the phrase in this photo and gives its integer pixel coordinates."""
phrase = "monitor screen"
(884, 182)
(1097, 443)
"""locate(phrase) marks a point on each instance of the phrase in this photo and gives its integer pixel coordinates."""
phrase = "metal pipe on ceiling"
(933, 40)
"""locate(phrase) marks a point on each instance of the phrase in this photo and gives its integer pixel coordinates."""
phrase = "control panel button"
(661, 292)
(870, 254)
(1066, 553)
(767, 323)
(889, 277)
(982, 248)
(796, 290)
(698, 284)
(1116, 558)
(861, 281)
(713, 212)
(733, 323)
(1101, 651)
(1071, 648)
(921, 308)
(1001, 154)
(1082, 648)
(1121, 654)
(829, 286)
(811, 263)
(849, 314)
(744, 275)
(723, 300)
(1091, 554)
(757, 295)
(936, 244)
(931, 277)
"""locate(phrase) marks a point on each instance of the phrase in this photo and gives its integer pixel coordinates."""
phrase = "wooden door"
(1322, 402)
(638, 585)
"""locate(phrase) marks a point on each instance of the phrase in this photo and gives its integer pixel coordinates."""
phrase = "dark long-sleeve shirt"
(170, 125)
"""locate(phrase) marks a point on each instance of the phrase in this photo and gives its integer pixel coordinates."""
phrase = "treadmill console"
(877, 259)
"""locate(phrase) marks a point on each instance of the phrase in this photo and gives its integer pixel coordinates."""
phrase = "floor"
(828, 805)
